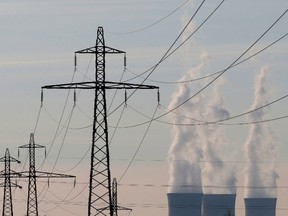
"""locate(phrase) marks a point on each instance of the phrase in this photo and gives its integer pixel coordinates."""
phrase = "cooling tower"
(218, 205)
(184, 204)
(260, 206)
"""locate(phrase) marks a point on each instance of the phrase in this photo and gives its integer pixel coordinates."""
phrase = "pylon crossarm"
(111, 50)
(95, 85)
(93, 50)
(40, 174)
(9, 159)
(29, 146)
(12, 174)
(123, 208)
(12, 185)
(24, 174)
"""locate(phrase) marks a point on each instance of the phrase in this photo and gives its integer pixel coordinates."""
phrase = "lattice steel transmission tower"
(100, 196)
(32, 175)
(115, 206)
(7, 174)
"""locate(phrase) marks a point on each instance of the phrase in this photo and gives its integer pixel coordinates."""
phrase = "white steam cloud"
(260, 147)
(218, 176)
(194, 144)
(186, 150)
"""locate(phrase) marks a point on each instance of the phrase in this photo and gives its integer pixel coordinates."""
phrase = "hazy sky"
(38, 40)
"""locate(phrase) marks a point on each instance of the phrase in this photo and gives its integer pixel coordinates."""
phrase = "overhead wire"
(190, 20)
(225, 70)
(154, 23)
(219, 122)
(69, 120)
(138, 147)
(71, 113)
(61, 118)
(61, 201)
(168, 53)
(63, 140)
(152, 69)
(212, 74)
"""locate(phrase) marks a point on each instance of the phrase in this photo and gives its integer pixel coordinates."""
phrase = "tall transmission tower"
(32, 175)
(100, 196)
(115, 206)
(7, 174)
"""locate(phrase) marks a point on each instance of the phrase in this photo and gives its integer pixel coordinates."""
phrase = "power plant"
(260, 206)
(215, 178)
(181, 204)
(218, 204)
(197, 204)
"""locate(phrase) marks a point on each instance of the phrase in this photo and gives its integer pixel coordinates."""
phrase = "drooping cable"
(61, 201)
(225, 70)
(63, 140)
(139, 146)
(152, 69)
(212, 74)
(220, 121)
(153, 24)
(168, 53)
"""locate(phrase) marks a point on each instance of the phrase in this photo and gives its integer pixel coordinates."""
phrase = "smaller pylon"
(32, 175)
(7, 174)
(115, 206)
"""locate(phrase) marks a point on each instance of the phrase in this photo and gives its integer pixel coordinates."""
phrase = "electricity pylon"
(7, 174)
(115, 206)
(100, 197)
(32, 175)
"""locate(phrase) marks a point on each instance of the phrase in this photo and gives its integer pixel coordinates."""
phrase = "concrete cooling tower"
(184, 204)
(219, 205)
(260, 206)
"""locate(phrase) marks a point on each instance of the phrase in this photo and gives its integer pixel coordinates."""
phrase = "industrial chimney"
(219, 205)
(260, 206)
(184, 204)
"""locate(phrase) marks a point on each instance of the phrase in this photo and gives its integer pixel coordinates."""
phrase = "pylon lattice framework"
(115, 205)
(7, 174)
(100, 197)
(32, 175)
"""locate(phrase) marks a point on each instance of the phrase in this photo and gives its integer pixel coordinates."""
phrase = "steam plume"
(186, 151)
(193, 144)
(260, 147)
(215, 171)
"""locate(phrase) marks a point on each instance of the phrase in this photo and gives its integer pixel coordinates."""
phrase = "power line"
(212, 74)
(224, 71)
(154, 23)
(167, 54)
(139, 146)
(219, 122)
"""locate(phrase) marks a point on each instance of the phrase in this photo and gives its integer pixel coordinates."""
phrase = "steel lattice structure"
(115, 206)
(7, 174)
(100, 196)
(32, 175)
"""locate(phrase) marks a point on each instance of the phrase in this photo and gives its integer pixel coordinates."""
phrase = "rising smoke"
(186, 150)
(260, 147)
(193, 144)
(215, 171)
